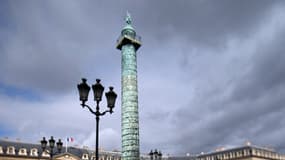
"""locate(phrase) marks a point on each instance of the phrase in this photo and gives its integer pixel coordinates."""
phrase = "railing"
(136, 38)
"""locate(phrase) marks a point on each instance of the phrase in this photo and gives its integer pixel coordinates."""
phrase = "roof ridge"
(15, 141)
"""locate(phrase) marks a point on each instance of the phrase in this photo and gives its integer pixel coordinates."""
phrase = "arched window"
(257, 152)
(22, 152)
(85, 156)
(45, 154)
(34, 152)
(250, 152)
(10, 150)
(244, 152)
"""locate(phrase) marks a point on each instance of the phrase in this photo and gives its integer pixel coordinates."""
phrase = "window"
(10, 150)
(34, 152)
(22, 152)
(257, 152)
(250, 151)
(45, 154)
(85, 156)
(1, 150)
(244, 152)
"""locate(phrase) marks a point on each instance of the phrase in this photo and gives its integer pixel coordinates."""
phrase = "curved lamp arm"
(90, 109)
(96, 113)
(103, 113)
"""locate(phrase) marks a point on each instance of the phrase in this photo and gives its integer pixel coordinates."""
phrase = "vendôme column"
(129, 43)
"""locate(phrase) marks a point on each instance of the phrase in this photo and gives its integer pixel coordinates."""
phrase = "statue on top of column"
(128, 18)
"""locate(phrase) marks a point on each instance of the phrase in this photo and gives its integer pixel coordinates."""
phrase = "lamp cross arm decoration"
(98, 89)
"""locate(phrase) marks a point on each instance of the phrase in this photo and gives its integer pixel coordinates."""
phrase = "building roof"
(236, 149)
(72, 150)
(182, 158)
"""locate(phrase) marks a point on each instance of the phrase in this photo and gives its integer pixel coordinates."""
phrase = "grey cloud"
(48, 46)
(53, 40)
(204, 23)
(246, 107)
(266, 74)
(194, 92)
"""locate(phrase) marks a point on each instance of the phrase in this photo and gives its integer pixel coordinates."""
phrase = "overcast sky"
(210, 73)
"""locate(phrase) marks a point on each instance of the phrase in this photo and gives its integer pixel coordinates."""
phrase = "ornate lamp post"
(160, 155)
(51, 145)
(151, 154)
(156, 155)
(98, 89)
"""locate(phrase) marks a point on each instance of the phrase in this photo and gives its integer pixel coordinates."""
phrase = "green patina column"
(129, 43)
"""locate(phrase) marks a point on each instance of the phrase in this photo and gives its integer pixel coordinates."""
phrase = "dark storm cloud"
(266, 74)
(210, 73)
(248, 107)
(53, 40)
(47, 47)
(225, 108)
(208, 23)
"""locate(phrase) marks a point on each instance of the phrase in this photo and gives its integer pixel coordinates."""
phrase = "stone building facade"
(243, 153)
(10, 150)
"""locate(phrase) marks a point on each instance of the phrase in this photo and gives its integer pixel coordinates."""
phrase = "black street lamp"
(98, 89)
(156, 155)
(51, 145)
(151, 154)
(159, 155)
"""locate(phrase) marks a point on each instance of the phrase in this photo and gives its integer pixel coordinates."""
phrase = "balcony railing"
(136, 38)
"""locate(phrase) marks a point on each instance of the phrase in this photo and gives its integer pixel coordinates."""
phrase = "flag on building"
(69, 139)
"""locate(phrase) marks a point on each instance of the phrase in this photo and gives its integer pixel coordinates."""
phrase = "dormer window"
(22, 152)
(10, 150)
(85, 156)
(34, 152)
(45, 154)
